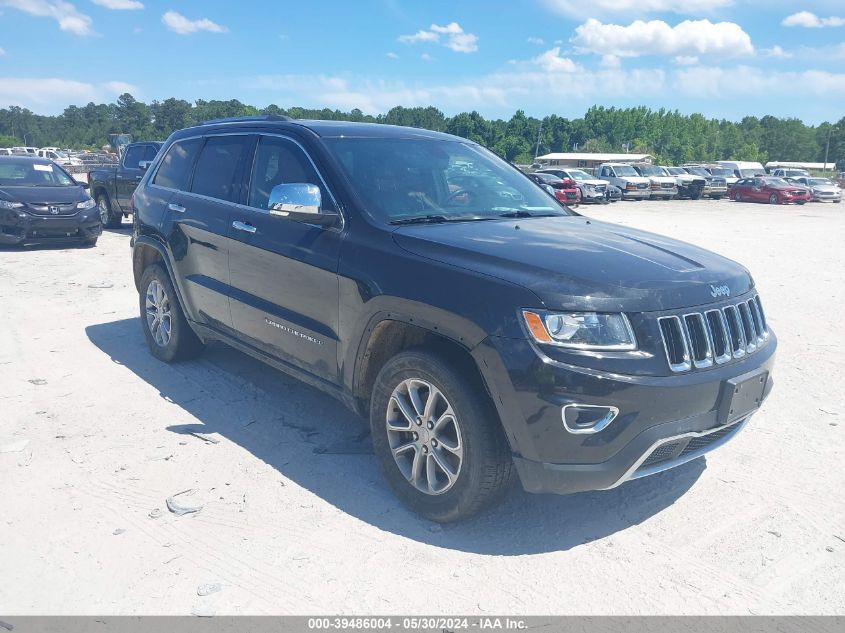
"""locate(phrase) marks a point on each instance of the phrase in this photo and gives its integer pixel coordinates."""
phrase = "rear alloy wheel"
(738, 196)
(169, 336)
(108, 218)
(773, 199)
(437, 437)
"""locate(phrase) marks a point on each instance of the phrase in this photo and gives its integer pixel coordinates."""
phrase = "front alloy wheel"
(773, 199)
(424, 436)
(159, 316)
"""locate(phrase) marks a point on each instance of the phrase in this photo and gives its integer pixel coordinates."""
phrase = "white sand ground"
(288, 525)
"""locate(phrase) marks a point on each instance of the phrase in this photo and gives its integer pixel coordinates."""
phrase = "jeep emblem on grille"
(54, 210)
(720, 291)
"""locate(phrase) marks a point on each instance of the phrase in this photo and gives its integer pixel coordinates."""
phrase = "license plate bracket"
(742, 395)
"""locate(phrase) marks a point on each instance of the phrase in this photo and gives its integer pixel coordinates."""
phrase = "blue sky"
(723, 58)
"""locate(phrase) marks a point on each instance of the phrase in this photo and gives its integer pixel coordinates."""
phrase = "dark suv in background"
(484, 328)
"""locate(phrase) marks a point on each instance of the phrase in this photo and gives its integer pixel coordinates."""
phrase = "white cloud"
(811, 20)
(178, 23)
(50, 93)
(776, 52)
(426, 57)
(2, 52)
(552, 62)
(65, 14)
(536, 40)
(611, 61)
(392, 55)
(451, 36)
(120, 5)
(656, 37)
(686, 60)
(744, 81)
(576, 8)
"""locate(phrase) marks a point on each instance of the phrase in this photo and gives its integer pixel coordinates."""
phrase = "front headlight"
(581, 330)
(86, 204)
(5, 204)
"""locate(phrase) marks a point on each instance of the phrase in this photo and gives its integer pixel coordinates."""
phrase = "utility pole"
(827, 147)
(537, 147)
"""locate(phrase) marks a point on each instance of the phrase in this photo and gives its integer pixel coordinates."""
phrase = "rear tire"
(467, 423)
(166, 329)
(108, 218)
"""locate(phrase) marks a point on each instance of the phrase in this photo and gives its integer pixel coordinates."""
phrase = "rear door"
(129, 173)
(284, 273)
(199, 216)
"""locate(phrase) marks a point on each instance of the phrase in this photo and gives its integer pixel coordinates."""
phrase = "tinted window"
(279, 161)
(175, 170)
(134, 155)
(217, 166)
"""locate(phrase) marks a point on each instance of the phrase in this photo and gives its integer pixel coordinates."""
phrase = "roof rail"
(241, 119)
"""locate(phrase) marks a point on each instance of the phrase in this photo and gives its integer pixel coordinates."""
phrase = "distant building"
(775, 164)
(590, 159)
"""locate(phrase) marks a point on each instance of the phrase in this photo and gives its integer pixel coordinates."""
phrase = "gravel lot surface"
(95, 435)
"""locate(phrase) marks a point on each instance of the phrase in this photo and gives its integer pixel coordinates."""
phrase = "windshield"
(577, 174)
(676, 171)
(401, 178)
(625, 170)
(698, 171)
(721, 171)
(748, 173)
(776, 182)
(651, 170)
(28, 173)
(820, 181)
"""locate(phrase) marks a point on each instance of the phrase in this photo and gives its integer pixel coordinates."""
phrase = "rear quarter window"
(175, 170)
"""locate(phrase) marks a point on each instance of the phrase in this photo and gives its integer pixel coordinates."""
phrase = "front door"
(284, 273)
(129, 173)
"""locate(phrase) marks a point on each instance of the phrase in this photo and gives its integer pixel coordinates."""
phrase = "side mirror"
(145, 164)
(299, 202)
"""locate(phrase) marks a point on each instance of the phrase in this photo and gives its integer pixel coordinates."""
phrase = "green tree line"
(672, 137)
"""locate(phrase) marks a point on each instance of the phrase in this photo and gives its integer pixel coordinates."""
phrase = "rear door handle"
(178, 208)
(243, 226)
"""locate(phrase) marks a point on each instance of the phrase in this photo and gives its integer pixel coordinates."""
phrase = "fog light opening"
(587, 418)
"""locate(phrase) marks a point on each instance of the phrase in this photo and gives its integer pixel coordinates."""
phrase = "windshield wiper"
(438, 219)
(528, 214)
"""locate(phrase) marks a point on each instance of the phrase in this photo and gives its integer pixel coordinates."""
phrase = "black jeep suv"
(485, 329)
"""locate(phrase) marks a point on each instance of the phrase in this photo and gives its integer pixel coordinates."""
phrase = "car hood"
(574, 263)
(43, 195)
(667, 179)
(637, 179)
(826, 188)
(591, 181)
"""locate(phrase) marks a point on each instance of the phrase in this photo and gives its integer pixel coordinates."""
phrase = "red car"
(771, 190)
(566, 191)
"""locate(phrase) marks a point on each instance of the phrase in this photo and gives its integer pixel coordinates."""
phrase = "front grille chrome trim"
(741, 326)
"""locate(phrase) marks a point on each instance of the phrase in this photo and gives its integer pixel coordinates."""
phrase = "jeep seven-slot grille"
(700, 339)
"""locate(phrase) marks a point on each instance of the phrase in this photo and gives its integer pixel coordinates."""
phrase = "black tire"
(716, 197)
(182, 342)
(90, 243)
(773, 199)
(738, 196)
(486, 469)
(836, 201)
(108, 218)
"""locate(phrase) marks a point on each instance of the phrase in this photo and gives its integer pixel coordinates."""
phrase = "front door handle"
(243, 226)
(178, 208)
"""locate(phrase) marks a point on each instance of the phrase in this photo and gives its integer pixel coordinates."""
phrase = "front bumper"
(663, 421)
(636, 194)
(823, 196)
(664, 193)
(18, 227)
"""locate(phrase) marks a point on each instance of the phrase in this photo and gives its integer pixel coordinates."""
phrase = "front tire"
(108, 218)
(437, 438)
(773, 199)
(166, 329)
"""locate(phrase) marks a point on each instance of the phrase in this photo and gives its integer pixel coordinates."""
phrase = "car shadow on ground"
(316, 442)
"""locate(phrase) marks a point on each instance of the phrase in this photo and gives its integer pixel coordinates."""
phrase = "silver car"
(823, 189)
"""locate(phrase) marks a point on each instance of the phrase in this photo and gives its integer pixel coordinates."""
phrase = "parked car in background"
(790, 172)
(840, 179)
(486, 334)
(592, 189)
(718, 171)
(689, 185)
(565, 189)
(58, 156)
(633, 186)
(716, 187)
(23, 151)
(743, 168)
(112, 187)
(5, 151)
(41, 202)
(823, 189)
(613, 193)
(662, 184)
(769, 189)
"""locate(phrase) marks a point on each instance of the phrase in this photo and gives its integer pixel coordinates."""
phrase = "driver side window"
(280, 161)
